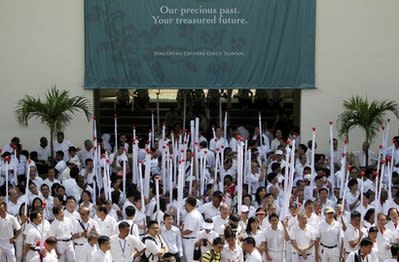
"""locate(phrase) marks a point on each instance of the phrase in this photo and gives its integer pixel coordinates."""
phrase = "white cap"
(244, 209)
(208, 226)
(278, 152)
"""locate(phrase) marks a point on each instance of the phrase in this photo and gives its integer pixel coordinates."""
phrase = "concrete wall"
(357, 52)
(41, 44)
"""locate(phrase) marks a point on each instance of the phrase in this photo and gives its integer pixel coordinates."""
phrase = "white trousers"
(277, 256)
(188, 248)
(288, 252)
(7, 251)
(297, 258)
(329, 254)
(66, 251)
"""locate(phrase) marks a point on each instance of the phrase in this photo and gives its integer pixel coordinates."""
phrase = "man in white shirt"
(43, 151)
(218, 142)
(211, 209)
(62, 229)
(191, 226)
(274, 237)
(329, 237)
(303, 239)
(353, 233)
(8, 225)
(33, 234)
(14, 202)
(83, 227)
(62, 144)
(50, 180)
(86, 152)
(366, 245)
(251, 253)
(156, 246)
(49, 200)
(70, 208)
(220, 221)
(124, 245)
(103, 253)
(172, 237)
(362, 155)
(106, 224)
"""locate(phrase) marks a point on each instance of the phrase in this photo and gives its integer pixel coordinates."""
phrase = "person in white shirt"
(51, 178)
(211, 209)
(205, 237)
(86, 152)
(384, 238)
(124, 245)
(14, 202)
(83, 227)
(43, 151)
(218, 142)
(232, 251)
(156, 246)
(106, 224)
(303, 240)
(361, 254)
(171, 235)
(49, 200)
(62, 229)
(329, 237)
(274, 237)
(220, 221)
(191, 226)
(353, 233)
(362, 156)
(70, 208)
(102, 253)
(48, 253)
(88, 171)
(61, 144)
(9, 231)
(251, 253)
(255, 177)
(34, 176)
(89, 247)
(33, 234)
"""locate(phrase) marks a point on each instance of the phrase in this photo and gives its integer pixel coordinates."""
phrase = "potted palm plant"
(54, 111)
(368, 115)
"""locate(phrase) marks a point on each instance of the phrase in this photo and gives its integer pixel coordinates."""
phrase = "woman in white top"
(253, 231)
(232, 251)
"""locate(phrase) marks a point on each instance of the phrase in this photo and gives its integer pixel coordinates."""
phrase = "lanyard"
(123, 247)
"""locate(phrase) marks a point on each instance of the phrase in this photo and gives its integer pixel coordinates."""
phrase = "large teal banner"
(199, 43)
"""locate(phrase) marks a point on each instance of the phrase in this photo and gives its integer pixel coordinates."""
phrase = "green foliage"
(368, 115)
(55, 111)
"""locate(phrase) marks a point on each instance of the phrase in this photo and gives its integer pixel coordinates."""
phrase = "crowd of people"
(62, 208)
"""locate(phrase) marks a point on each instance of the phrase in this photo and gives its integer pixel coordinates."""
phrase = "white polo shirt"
(209, 210)
(329, 234)
(303, 237)
(351, 234)
(230, 255)
(123, 250)
(7, 226)
(255, 256)
(193, 222)
(99, 255)
(108, 226)
(274, 238)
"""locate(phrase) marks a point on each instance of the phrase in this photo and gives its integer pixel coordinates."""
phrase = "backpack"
(143, 257)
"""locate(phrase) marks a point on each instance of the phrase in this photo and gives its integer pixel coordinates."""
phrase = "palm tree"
(55, 111)
(368, 115)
